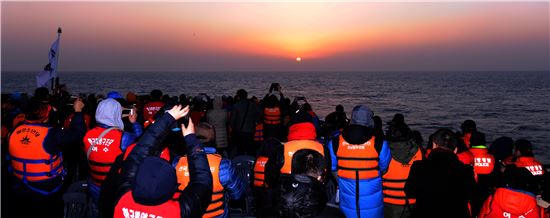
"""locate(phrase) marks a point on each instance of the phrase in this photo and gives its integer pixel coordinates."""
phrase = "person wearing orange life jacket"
(36, 162)
(106, 141)
(154, 105)
(404, 151)
(149, 184)
(524, 157)
(225, 180)
(259, 187)
(301, 135)
(272, 117)
(516, 199)
(362, 158)
(484, 165)
(464, 154)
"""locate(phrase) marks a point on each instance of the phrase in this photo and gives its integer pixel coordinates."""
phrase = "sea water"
(514, 104)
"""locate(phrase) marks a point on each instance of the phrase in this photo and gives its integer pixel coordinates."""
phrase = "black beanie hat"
(155, 182)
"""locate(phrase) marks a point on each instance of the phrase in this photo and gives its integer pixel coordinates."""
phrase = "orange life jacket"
(259, 133)
(293, 146)
(272, 115)
(259, 171)
(393, 182)
(357, 161)
(508, 203)
(531, 164)
(151, 108)
(29, 160)
(484, 163)
(217, 204)
(104, 153)
(128, 207)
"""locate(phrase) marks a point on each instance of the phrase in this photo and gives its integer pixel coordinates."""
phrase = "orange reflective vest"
(217, 204)
(128, 207)
(531, 164)
(393, 182)
(104, 153)
(484, 163)
(259, 133)
(357, 161)
(293, 146)
(151, 108)
(259, 171)
(29, 160)
(272, 116)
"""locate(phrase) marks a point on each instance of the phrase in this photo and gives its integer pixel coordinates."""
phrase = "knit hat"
(302, 131)
(155, 182)
(362, 115)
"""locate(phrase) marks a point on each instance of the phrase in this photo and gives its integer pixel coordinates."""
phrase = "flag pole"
(56, 79)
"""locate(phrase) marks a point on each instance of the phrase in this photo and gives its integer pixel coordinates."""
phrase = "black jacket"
(197, 195)
(441, 184)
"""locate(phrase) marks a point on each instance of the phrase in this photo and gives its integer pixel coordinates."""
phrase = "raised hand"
(190, 129)
(177, 112)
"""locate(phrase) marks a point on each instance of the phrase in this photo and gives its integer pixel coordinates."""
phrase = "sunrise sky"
(269, 36)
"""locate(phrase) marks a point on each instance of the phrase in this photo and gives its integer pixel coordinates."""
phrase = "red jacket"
(511, 203)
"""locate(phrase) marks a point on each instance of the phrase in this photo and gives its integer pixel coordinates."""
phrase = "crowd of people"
(174, 156)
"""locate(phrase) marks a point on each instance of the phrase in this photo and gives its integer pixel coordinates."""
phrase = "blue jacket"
(233, 185)
(371, 202)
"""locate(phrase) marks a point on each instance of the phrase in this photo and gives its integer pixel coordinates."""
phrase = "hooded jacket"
(507, 202)
(109, 114)
(369, 191)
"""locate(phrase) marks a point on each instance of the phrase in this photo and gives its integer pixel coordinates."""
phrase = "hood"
(515, 201)
(403, 151)
(302, 131)
(362, 115)
(109, 112)
(155, 182)
(217, 103)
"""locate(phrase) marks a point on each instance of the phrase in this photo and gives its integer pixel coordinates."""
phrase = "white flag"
(42, 79)
(52, 56)
(50, 70)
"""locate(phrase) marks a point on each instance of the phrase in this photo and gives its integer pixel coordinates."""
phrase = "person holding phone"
(106, 141)
(149, 183)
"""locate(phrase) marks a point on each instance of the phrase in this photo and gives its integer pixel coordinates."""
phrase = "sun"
(298, 59)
